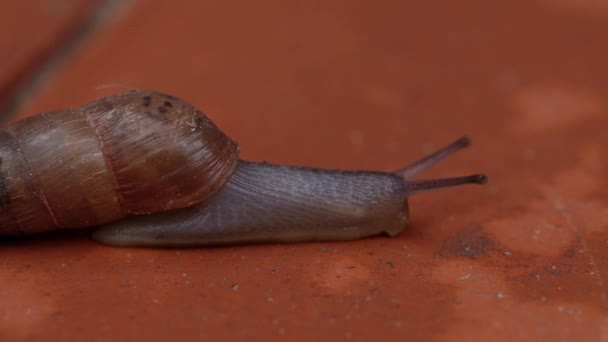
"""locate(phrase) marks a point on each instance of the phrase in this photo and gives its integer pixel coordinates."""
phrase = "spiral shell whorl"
(134, 153)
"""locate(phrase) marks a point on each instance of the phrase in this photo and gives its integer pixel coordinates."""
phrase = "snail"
(147, 169)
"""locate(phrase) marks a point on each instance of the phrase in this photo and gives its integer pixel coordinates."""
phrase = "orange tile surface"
(356, 85)
(29, 33)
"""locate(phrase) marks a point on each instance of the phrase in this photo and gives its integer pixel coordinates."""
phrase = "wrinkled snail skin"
(148, 169)
(273, 203)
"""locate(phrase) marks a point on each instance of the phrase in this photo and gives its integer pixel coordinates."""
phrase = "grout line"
(99, 18)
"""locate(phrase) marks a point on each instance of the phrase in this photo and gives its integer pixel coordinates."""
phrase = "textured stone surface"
(367, 85)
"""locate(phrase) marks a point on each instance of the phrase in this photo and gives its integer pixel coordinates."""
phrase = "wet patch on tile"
(470, 242)
(584, 175)
(570, 273)
(572, 276)
(544, 107)
(540, 232)
(565, 206)
(521, 295)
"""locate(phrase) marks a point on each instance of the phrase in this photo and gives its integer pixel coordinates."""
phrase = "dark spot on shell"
(147, 100)
(199, 120)
(157, 117)
(108, 106)
(4, 196)
(160, 236)
(471, 242)
(162, 110)
(168, 104)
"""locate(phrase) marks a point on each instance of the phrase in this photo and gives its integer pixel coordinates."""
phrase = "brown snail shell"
(134, 153)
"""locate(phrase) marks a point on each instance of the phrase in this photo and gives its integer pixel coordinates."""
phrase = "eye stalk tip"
(465, 141)
(480, 179)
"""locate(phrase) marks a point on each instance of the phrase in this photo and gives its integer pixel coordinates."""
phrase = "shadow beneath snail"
(55, 238)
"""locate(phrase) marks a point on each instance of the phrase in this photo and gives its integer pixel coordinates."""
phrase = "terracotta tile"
(356, 85)
(31, 31)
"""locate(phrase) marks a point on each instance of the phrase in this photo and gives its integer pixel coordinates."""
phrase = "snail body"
(148, 169)
(274, 203)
